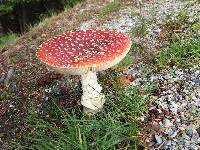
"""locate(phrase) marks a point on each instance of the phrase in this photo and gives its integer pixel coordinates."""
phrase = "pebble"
(174, 134)
(167, 123)
(158, 139)
(5, 78)
(174, 107)
(198, 131)
(190, 130)
(183, 103)
(185, 136)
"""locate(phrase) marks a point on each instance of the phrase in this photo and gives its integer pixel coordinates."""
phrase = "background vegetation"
(18, 15)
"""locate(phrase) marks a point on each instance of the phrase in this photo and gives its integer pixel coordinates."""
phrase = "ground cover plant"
(182, 35)
(184, 53)
(7, 39)
(113, 128)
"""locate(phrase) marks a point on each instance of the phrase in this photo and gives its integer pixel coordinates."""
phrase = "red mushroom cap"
(78, 51)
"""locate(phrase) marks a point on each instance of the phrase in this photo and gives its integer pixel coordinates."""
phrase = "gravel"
(179, 95)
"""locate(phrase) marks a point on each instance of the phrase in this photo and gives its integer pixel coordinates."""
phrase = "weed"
(184, 43)
(181, 53)
(85, 15)
(196, 27)
(112, 128)
(134, 14)
(140, 29)
(110, 8)
(7, 39)
(124, 64)
(137, 48)
(180, 26)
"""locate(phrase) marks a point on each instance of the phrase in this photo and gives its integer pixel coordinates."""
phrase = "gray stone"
(167, 122)
(173, 135)
(198, 130)
(190, 130)
(174, 107)
(185, 136)
(158, 139)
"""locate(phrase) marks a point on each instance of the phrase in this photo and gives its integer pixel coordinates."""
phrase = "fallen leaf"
(125, 80)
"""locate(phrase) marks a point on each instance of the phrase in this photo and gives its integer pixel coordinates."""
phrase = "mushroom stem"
(92, 98)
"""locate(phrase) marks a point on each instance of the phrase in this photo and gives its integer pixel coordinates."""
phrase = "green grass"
(140, 29)
(196, 27)
(124, 64)
(85, 15)
(183, 48)
(111, 7)
(181, 53)
(113, 128)
(7, 39)
(134, 14)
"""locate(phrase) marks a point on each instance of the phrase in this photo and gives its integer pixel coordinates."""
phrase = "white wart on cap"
(78, 51)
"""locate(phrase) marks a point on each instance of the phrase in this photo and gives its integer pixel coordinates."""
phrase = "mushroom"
(84, 52)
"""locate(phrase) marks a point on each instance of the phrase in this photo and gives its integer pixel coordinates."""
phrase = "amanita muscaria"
(84, 52)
